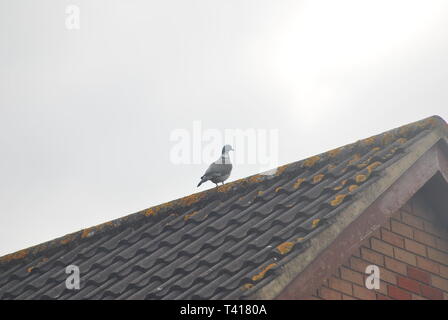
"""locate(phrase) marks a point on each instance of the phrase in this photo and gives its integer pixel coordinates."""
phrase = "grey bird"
(220, 170)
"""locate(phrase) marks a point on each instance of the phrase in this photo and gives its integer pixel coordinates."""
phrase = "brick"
(415, 247)
(382, 289)
(363, 293)
(405, 256)
(445, 296)
(443, 271)
(357, 253)
(411, 220)
(425, 238)
(358, 264)
(329, 294)
(341, 285)
(382, 247)
(409, 284)
(427, 265)
(382, 297)
(392, 238)
(346, 297)
(372, 256)
(419, 275)
(442, 245)
(397, 293)
(439, 282)
(352, 276)
(395, 265)
(417, 297)
(431, 293)
(438, 256)
(401, 229)
(312, 298)
(388, 276)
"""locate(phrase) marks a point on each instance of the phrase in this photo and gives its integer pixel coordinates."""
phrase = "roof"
(230, 242)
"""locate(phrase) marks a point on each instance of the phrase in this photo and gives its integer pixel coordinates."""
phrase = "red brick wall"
(411, 251)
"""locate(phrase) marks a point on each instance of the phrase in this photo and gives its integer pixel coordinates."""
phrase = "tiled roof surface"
(223, 243)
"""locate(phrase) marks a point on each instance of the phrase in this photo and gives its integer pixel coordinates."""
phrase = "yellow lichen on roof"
(247, 286)
(387, 138)
(261, 274)
(360, 178)
(372, 166)
(90, 231)
(285, 247)
(183, 202)
(354, 159)
(430, 122)
(188, 216)
(338, 199)
(315, 223)
(14, 256)
(352, 188)
(68, 238)
(280, 169)
(278, 189)
(391, 152)
(404, 130)
(255, 178)
(364, 164)
(31, 268)
(334, 152)
(188, 201)
(402, 140)
(368, 141)
(298, 183)
(150, 212)
(317, 178)
(86, 232)
(311, 161)
(343, 182)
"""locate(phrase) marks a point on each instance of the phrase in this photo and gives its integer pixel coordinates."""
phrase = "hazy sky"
(86, 115)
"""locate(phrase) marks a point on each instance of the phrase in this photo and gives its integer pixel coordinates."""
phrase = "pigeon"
(219, 170)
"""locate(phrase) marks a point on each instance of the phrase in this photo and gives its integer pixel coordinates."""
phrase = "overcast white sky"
(86, 115)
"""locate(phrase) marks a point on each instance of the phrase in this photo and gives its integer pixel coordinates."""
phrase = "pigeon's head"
(227, 148)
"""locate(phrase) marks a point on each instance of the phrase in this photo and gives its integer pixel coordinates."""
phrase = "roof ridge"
(157, 212)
